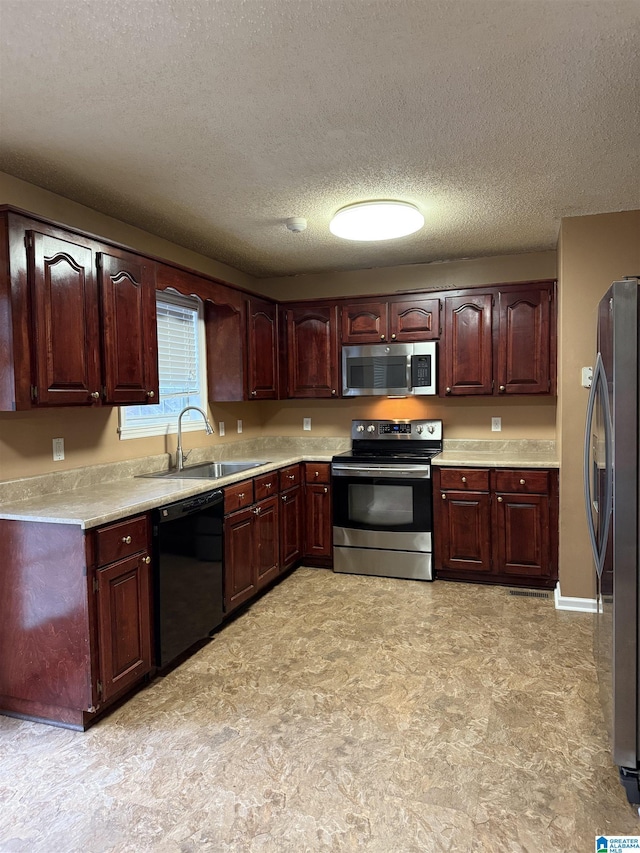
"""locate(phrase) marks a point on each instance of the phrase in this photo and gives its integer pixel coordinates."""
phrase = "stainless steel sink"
(208, 470)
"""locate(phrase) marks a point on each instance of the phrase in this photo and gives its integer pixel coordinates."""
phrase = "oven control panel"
(402, 430)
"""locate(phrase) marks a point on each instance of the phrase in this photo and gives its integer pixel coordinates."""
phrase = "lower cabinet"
(291, 516)
(123, 606)
(318, 527)
(75, 618)
(251, 538)
(496, 526)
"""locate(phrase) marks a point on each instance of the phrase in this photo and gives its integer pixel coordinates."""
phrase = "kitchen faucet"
(180, 456)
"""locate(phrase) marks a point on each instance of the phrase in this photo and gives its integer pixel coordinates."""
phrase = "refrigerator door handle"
(598, 386)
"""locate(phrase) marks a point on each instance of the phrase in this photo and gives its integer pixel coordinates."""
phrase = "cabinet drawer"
(266, 485)
(473, 479)
(121, 540)
(317, 472)
(289, 477)
(522, 481)
(238, 496)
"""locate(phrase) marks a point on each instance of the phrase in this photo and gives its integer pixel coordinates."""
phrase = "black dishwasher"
(188, 592)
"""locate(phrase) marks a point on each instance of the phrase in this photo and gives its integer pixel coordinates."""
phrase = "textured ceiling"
(210, 122)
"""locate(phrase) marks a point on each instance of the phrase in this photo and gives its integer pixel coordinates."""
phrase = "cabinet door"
(240, 581)
(414, 320)
(124, 624)
(263, 374)
(364, 323)
(521, 531)
(463, 531)
(66, 350)
(267, 535)
(467, 366)
(318, 523)
(312, 351)
(290, 527)
(129, 339)
(524, 344)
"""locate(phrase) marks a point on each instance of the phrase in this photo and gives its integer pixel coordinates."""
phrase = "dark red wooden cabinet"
(262, 350)
(498, 526)
(84, 639)
(318, 525)
(311, 350)
(240, 580)
(291, 516)
(399, 319)
(499, 342)
(129, 332)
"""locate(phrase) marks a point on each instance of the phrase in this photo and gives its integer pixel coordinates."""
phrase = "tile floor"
(339, 713)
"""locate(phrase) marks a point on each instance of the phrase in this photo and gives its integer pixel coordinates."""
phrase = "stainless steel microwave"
(394, 370)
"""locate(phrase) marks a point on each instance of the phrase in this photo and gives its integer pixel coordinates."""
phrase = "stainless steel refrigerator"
(612, 482)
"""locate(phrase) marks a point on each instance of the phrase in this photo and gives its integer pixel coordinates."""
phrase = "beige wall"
(593, 252)
(466, 273)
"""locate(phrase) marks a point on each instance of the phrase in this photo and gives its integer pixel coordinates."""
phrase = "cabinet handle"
(522, 482)
(254, 393)
(443, 496)
(317, 474)
(284, 498)
(448, 390)
(464, 479)
(393, 337)
(146, 560)
(151, 394)
(381, 337)
(333, 392)
(502, 389)
(126, 540)
(267, 485)
(291, 476)
(499, 499)
(326, 489)
(95, 395)
(257, 511)
(241, 496)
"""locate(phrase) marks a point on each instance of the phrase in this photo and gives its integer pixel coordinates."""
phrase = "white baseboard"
(564, 602)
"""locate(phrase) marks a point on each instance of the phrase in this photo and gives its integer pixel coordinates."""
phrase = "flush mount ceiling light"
(376, 220)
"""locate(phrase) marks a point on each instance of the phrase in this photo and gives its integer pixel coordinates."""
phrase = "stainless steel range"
(382, 499)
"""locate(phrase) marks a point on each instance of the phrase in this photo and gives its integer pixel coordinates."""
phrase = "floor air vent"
(529, 593)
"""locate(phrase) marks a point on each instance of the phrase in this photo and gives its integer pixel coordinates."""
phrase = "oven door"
(382, 506)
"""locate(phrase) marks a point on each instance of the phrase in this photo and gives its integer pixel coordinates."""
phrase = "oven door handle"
(397, 472)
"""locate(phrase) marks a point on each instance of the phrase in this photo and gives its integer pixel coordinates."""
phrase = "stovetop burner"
(397, 441)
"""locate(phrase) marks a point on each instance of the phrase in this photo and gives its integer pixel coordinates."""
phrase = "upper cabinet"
(401, 319)
(500, 341)
(78, 325)
(311, 348)
(262, 338)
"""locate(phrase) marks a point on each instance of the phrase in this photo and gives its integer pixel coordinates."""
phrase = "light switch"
(239, 425)
(306, 423)
(220, 427)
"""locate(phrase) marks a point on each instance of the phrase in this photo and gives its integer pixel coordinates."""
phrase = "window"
(182, 370)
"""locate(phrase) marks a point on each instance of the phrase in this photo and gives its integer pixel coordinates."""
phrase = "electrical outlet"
(306, 423)
(220, 427)
(239, 425)
(58, 449)
(496, 424)
(587, 377)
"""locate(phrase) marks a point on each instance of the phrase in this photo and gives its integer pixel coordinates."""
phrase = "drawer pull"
(522, 482)
(126, 540)
(284, 498)
(257, 511)
(317, 474)
(267, 485)
(291, 476)
(326, 490)
(448, 390)
(241, 496)
(443, 496)
(464, 479)
(146, 560)
(499, 499)
(151, 394)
